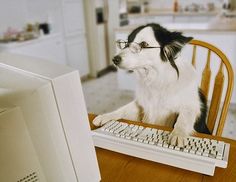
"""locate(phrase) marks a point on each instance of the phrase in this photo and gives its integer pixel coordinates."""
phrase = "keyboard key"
(186, 150)
(140, 140)
(159, 132)
(213, 153)
(154, 130)
(151, 142)
(166, 145)
(145, 141)
(206, 153)
(131, 125)
(219, 156)
(177, 148)
(192, 151)
(199, 153)
(135, 128)
(140, 127)
(128, 137)
(166, 133)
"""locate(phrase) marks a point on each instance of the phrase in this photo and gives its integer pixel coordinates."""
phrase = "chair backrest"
(215, 111)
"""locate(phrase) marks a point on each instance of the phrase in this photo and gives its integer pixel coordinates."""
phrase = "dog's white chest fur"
(160, 97)
(157, 108)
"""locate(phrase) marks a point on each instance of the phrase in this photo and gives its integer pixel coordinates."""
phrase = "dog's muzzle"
(116, 60)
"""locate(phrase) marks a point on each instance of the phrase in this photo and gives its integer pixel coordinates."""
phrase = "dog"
(167, 91)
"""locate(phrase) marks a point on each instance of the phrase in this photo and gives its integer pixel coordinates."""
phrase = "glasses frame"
(136, 48)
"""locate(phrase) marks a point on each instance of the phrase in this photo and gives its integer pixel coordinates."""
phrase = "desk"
(116, 167)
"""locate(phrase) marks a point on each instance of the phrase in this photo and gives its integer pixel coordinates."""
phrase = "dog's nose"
(116, 60)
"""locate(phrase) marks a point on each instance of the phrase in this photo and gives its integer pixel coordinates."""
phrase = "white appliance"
(75, 37)
(102, 17)
(44, 128)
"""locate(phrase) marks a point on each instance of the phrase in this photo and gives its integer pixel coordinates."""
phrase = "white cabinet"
(159, 19)
(139, 20)
(77, 54)
(101, 57)
(50, 47)
(169, 18)
(73, 15)
(192, 19)
(74, 35)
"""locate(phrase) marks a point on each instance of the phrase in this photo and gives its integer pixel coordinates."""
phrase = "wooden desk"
(116, 167)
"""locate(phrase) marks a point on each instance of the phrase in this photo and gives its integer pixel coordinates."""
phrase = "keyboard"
(201, 155)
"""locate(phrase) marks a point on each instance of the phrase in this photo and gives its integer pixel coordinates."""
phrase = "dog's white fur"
(160, 93)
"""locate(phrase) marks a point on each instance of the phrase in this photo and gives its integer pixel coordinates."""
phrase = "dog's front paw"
(178, 138)
(102, 119)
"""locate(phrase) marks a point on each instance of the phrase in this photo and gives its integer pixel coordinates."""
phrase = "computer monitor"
(44, 127)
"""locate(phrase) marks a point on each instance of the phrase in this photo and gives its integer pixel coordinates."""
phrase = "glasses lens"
(121, 44)
(134, 47)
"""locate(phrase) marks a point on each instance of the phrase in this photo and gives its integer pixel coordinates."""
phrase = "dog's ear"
(173, 47)
(171, 43)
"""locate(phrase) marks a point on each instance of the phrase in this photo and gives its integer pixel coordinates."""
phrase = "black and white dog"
(167, 92)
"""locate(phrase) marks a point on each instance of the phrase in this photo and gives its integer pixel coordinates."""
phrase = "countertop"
(218, 24)
(171, 13)
(27, 42)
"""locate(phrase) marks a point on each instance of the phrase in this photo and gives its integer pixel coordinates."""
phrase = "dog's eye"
(144, 44)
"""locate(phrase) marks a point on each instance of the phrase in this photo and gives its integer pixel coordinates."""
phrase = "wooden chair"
(215, 101)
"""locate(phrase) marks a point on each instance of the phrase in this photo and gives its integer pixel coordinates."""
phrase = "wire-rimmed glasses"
(133, 46)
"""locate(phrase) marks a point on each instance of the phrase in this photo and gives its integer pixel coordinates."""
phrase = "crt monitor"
(44, 128)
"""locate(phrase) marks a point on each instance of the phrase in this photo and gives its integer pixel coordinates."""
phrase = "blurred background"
(82, 34)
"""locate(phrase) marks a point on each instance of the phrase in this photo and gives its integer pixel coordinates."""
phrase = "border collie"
(167, 92)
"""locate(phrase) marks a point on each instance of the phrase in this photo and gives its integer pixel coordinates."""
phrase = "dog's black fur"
(200, 124)
(175, 41)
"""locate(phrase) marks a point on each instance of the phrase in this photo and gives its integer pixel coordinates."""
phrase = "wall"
(17, 13)
(12, 13)
(45, 10)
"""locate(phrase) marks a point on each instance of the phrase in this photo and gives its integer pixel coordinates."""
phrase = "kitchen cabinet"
(77, 53)
(191, 19)
(75, 36)
(138, 19)
(48, 47)
(159, 19)
(73, 16)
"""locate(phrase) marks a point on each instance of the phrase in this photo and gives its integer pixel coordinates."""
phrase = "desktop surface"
(118, 167)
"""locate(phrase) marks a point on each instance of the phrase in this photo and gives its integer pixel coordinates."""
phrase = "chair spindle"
(216, 98)
(206, 76)
(194, 56)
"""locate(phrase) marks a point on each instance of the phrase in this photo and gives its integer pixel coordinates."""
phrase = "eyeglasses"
(133, 46)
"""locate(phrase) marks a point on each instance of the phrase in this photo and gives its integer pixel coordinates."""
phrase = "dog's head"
(150, 45)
